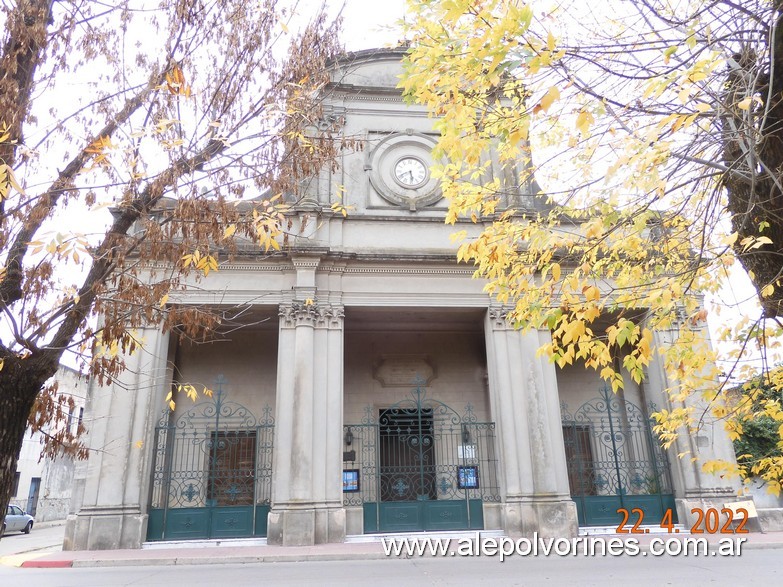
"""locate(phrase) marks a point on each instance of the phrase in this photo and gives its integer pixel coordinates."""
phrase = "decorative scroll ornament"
(499, 318)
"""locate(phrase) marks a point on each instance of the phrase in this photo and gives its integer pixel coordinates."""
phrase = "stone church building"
(376, 387)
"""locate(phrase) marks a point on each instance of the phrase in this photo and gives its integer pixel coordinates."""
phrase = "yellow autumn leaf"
(10, 178)
(583, 122)
(552, 95)
(550, 41)
(591, 293)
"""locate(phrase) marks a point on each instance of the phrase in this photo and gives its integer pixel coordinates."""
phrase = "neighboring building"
(759, 439)
(377, 387)
(42, 487)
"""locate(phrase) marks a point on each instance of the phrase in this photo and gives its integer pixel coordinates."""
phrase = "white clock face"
(410, 172)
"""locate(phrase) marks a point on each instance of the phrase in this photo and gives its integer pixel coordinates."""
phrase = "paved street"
(46, 538)
(755, 567)
(758, 565)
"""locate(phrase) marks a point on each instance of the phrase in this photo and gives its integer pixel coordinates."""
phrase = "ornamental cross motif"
(400, 487)
(231, 522)
(232, 492)
(190, 492)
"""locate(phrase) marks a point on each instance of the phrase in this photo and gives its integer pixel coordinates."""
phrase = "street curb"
(48, 524)
(138, 558)
(238, 560)
(39, 564)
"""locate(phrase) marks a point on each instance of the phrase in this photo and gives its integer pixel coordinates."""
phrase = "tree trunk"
(755, 159)
(20, 383)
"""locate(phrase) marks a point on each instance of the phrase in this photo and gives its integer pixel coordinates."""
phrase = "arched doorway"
(615, 462)
(212, 472)
(420, 465)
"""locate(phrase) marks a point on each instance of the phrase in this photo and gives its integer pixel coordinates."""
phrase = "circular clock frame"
(383, 163)
(413, 168)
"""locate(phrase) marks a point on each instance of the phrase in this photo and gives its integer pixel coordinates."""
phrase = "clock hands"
(410, 172)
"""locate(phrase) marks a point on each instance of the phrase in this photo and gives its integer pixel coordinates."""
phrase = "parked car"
(16, 520)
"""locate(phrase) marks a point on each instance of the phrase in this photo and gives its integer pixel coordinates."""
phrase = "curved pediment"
(369, 69)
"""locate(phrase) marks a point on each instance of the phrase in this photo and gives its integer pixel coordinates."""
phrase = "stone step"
(226, 542)
(455, 535)
(645, 529)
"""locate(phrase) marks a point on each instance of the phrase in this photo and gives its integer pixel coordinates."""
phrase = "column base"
(305, 526)
(704, 500)
(107, 528)
(550, 517)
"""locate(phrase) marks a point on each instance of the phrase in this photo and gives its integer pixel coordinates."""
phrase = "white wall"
(56, 474)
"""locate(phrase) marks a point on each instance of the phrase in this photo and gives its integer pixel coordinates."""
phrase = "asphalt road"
(754, 567)
(41, 538)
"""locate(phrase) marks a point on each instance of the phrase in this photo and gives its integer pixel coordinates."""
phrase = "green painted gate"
(420, 465)
(615, 461)
(212, 472)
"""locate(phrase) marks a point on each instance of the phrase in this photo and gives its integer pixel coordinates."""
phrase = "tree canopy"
(165, 114)
(656, 131)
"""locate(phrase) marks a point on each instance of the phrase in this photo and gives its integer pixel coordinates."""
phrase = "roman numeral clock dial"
(410, 172)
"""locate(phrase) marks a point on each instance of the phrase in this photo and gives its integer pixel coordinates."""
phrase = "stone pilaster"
(525, 406)
(692, 487)
(307, 496)
(122, 416)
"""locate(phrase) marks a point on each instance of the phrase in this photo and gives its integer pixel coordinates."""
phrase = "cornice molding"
(306, 262)
(411, 270)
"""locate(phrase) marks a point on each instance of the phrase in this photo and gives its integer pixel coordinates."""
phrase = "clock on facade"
(398, 167)
(410, 172)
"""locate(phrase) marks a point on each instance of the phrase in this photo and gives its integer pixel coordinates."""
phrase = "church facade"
(375, 388)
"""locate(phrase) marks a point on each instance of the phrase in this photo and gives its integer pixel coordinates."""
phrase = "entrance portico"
(398, 395)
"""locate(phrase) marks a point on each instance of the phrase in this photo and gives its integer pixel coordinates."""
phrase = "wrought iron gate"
(212, 472)
(420, 465)
(615, 461)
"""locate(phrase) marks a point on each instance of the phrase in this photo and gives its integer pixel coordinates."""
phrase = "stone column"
(526, 410)
(692, 487)
(121, 419)
(307, 498)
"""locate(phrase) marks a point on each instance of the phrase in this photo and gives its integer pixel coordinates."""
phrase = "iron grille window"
(232, 465)
(407, 455)
(579, 457)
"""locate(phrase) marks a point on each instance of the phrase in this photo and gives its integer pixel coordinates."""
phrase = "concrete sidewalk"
(239, 554)
(205, 555)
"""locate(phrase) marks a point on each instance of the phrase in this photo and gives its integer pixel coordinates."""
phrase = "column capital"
(498, 318)
(315, 314)
(330, 316)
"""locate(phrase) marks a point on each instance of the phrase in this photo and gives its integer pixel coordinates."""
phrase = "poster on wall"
(350, 480)
(467, 477)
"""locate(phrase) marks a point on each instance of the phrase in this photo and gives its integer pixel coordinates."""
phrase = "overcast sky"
(367, 25)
